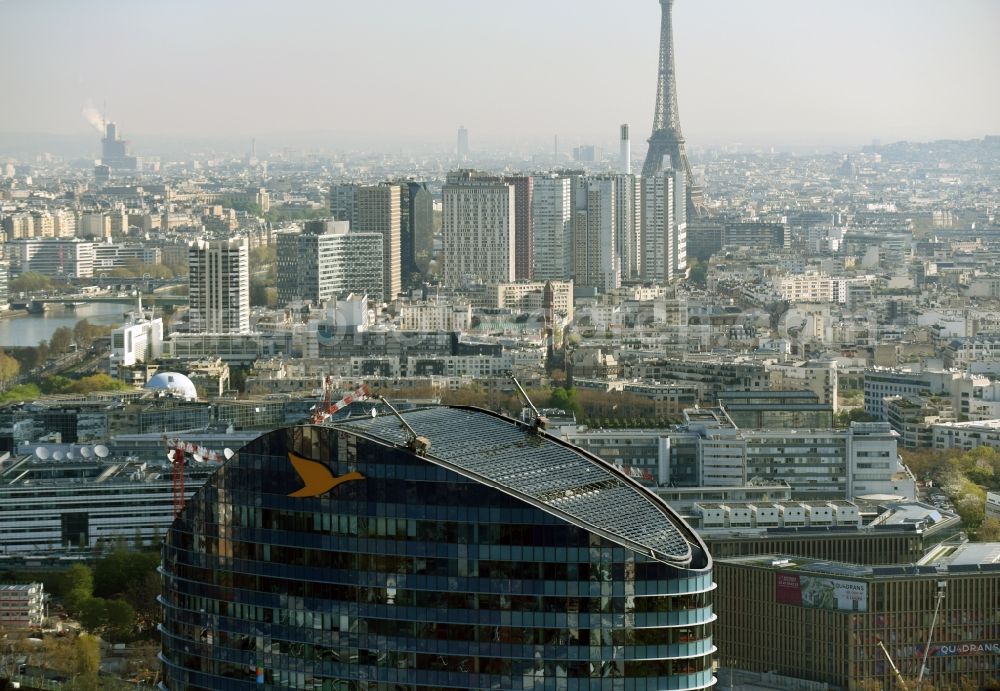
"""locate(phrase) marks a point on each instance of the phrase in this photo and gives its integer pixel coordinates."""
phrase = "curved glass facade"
(407, 574)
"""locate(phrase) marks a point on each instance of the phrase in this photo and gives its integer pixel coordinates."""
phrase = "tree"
(566, 399)
(258, 293)
(846, 417)
(30, 282)
(87, 651)
(85, 333)
(97, 382)
(9, 369)
(698, 273)
(21, 392)
(61, 339)
(39, 355)
(141, 595)
(93, 614)
(77, 586)
(116, 572)
(989, 530)
(262, 255)
(119, 618)
(55, 384)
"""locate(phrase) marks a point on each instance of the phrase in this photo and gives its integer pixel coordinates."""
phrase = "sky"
(515, 73)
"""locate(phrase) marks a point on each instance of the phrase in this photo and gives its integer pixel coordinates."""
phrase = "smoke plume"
(91, 115)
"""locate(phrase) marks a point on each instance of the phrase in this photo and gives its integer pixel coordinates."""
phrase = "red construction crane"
(324, 410)
(178, 451)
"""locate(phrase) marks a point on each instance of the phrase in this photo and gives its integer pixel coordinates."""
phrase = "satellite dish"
(170, 454)
(57, 455)
(374, 412)
(42, 453)
(197, 458)
(69, 454)
(85, 452)
(101, 451)
(228, 453)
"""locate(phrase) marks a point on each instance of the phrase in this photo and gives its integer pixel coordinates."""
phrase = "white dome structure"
(175, 383)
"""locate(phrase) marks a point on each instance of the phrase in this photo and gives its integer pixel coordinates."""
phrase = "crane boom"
(178, 452)
(899, 677)
(320, 414)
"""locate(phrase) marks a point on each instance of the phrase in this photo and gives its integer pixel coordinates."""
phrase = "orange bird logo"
(317, 477)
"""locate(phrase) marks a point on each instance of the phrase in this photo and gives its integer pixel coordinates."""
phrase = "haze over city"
(393, 74)
(499, 345)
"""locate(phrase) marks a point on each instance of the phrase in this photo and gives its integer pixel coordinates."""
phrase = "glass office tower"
(467, 551)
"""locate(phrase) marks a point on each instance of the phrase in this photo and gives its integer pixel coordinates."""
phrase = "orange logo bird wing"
(317, 477)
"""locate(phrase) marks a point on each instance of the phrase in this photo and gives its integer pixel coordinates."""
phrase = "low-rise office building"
(966, 435)
(823, 621)
(776, 409)
(900, 533)
(22, 606)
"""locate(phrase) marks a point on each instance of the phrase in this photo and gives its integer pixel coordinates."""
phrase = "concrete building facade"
(219, 286)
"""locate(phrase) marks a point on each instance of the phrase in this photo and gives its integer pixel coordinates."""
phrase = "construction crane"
(899, 677)
(942, 586)
(327, 408)
(178, 451)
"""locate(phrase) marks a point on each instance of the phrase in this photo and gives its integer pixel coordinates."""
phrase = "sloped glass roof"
(554, 476)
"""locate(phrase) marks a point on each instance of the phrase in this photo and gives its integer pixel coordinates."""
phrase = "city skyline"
(913, 70)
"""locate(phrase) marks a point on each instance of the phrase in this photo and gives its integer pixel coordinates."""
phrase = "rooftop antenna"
(417, 444)
(541, 422)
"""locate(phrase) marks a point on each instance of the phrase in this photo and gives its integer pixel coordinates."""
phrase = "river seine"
(28, 330)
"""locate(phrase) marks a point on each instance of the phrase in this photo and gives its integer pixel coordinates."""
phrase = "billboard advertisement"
(820, 592)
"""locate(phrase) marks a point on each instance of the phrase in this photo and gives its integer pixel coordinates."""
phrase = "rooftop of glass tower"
(543, 471)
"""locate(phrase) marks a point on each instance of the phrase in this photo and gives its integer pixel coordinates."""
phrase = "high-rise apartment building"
(416, 223)
(219, 286)
(595, 247)
(664, 226)
(628, 226)
(327, 261)
(114, 151)
(478, 229)
(523, 235)
(463, 144)
(377, 211)
(374, 209)
(624, 151)
(342, 201)
(552, 228)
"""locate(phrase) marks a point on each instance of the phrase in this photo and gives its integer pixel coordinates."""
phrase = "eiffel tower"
(667, 139)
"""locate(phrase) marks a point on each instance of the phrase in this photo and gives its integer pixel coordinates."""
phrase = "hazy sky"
(512, 71)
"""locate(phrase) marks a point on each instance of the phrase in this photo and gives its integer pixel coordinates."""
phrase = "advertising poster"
(818, 592)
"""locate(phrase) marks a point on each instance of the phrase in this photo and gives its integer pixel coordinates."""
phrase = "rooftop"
(975, 424)
(969, 557)
(546, 472)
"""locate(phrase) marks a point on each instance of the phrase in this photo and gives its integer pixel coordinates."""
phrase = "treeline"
(965, 477)
(616, 410)
(138, 269)
(115, 598)
(62, 385)
(83, 335)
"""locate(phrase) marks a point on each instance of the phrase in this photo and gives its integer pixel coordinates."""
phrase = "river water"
(30, 329)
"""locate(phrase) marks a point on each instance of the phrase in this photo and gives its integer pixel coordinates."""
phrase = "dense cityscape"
(584, 418)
